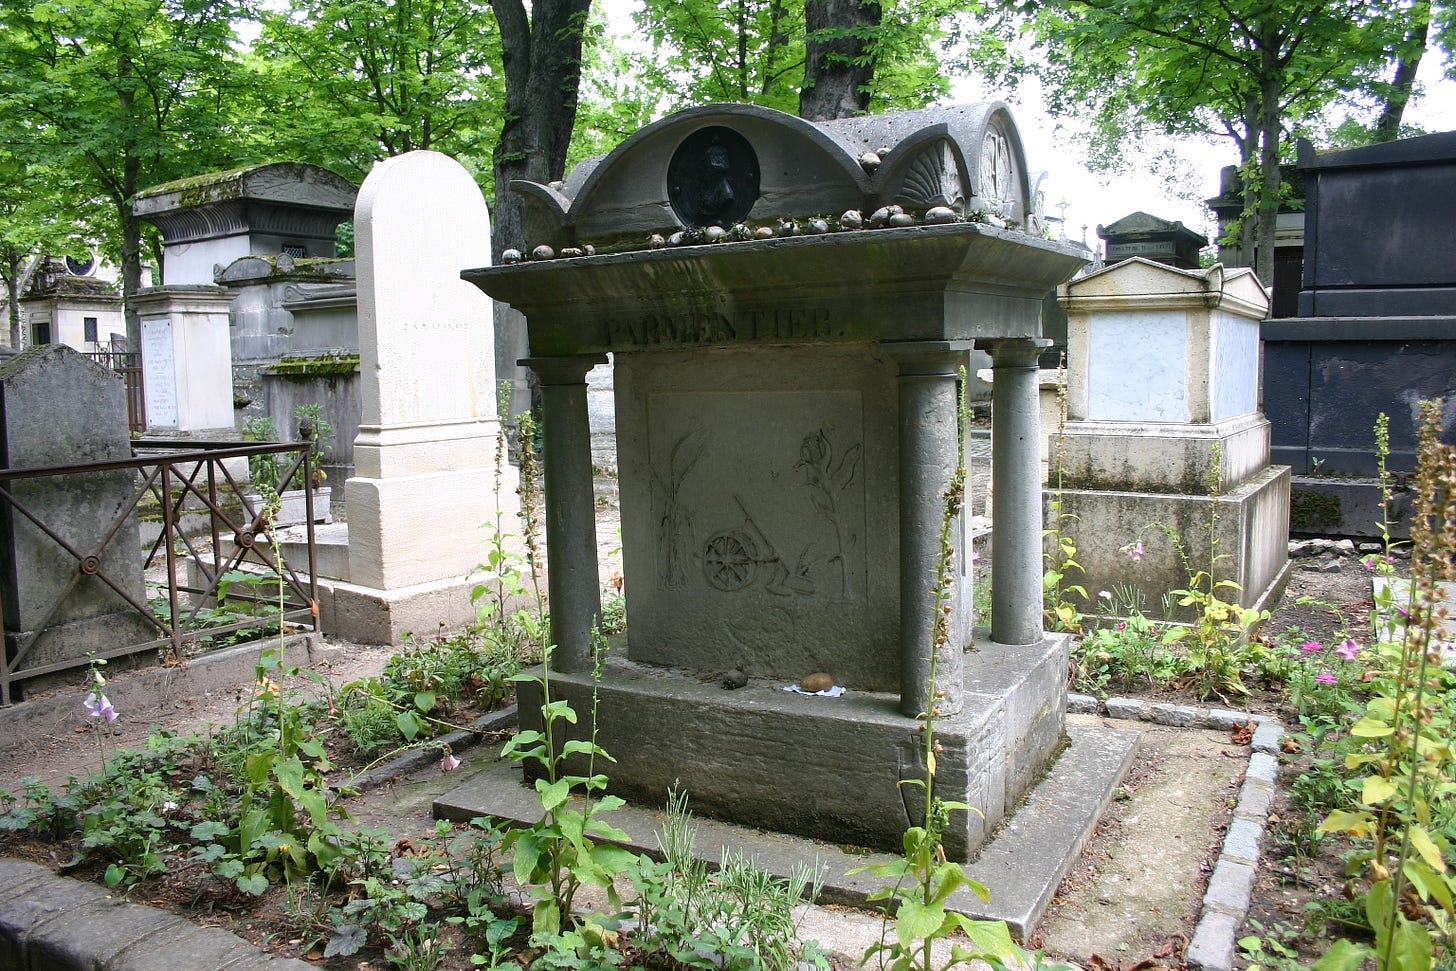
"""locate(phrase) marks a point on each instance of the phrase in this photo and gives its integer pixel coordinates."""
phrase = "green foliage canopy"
(1245, 69)
(119, 96)
(349, 82)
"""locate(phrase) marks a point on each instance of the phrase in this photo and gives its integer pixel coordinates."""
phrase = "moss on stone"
(1311, 509)
(323, 366)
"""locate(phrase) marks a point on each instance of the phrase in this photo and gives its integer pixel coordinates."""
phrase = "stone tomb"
(1162, 403)
(786, 425)
(65, 594)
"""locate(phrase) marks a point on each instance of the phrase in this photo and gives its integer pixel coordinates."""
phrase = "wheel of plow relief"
(730, 560)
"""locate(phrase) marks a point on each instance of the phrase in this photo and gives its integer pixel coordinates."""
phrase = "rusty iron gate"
(128, 364)
(226, 535)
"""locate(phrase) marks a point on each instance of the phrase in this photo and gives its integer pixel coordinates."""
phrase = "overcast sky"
(1095, 200)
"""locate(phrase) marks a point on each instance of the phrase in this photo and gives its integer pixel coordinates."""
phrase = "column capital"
(927, 358)
(566, 369)
(1013, 351)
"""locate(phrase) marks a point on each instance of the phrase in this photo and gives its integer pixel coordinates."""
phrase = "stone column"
(928, 443)
(571, 525)
(1016, 560)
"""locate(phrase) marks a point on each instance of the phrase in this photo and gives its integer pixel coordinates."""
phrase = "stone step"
(1021, 866)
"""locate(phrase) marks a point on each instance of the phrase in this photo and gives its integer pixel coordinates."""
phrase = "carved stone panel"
(752, 520)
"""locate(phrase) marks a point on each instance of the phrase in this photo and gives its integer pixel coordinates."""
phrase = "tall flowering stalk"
(99, 708)
(1407, 759)
(921, 880)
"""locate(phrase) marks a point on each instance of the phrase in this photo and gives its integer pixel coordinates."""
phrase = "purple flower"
(1347, 649)
(1325, 677)
(1134, 550)
(1309, 646)
(99, 706)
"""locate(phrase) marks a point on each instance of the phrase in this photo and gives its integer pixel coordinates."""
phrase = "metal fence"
(211, 541)
(128, 364)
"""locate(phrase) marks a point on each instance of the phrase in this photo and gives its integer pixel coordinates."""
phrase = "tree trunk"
(1408, 60)
(131, 255)
(839, 60)
(541, 53)
(13, 261)
(1249, 182)
(1270, 132)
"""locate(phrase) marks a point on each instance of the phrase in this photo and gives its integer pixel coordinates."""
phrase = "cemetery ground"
(1131, 900)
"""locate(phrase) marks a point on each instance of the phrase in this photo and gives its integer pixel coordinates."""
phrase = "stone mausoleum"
(789, 306)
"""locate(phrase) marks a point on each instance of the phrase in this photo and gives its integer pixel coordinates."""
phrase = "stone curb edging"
(1231, 887)
(417, 758)
(60, 924)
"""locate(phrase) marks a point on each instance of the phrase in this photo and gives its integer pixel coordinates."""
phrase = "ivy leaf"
(346, 940)
(209, 829)
(254, 883)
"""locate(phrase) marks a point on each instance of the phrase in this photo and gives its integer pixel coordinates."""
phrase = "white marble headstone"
(425, 452)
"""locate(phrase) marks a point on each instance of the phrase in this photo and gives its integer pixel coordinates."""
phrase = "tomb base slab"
(1138, 551)
(826, 768)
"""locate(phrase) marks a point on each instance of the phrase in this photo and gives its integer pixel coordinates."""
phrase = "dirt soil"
(1131, 901)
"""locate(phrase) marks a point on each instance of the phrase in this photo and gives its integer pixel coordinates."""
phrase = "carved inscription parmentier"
(714, 327)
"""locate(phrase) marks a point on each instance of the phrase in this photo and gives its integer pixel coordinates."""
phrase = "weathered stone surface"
(1229, 888)
(1255, 798)
(1263, 767)
(59, 924)
(1178, 716)
(785, 408)
(1242, 842)
(1133, 709)
(757, 458)
(424, 455)
(58, 408)
(824, 767)
(1212, 948)
(1267, 737)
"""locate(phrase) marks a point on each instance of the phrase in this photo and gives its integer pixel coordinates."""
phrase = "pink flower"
(1134, 550)
(1347, 649)
(449, 763)
(1325, 677)
(1311, 646)
(99, 706)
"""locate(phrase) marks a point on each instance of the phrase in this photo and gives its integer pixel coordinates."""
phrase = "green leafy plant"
(1124, 655)
(738, 918)
(1218, 644)
(506, 576)
(264, 471)
(566, 849)
(1270, 948)
(314, 425)
(284, 817)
